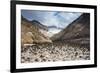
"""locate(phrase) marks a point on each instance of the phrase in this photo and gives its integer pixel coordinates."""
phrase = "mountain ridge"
(30, 33)
(77, 32)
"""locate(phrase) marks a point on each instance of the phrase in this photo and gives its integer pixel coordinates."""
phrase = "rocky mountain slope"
(30, 32)
(77, 32)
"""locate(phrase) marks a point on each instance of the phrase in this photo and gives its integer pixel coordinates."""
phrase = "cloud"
(54, 18)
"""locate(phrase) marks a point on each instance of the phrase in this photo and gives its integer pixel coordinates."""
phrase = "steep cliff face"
(77, 32)
(30, 32)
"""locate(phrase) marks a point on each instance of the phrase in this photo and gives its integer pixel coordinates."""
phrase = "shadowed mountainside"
(78, 32)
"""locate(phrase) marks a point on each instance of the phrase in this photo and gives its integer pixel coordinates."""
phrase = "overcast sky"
(51, 18)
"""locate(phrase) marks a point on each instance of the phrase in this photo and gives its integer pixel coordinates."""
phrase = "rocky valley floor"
(53, 52)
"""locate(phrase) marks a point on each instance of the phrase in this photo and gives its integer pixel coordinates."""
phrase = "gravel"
(53, 52)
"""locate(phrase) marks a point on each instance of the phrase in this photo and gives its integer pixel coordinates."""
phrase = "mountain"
(30, 32)
(41, 26)
(53, 30)
(55, 27)
(76, 32)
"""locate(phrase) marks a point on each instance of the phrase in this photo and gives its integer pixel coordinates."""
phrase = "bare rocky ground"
(53, 52)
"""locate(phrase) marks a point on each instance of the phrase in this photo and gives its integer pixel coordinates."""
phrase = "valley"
(71, 43)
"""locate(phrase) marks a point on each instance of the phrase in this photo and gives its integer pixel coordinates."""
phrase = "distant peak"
(56, 27)
(23, 18)
(35, 21)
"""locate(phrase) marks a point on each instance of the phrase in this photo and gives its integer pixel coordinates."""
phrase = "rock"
(54, 53)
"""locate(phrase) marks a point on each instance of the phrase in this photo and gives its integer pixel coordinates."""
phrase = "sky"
(51, 18)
